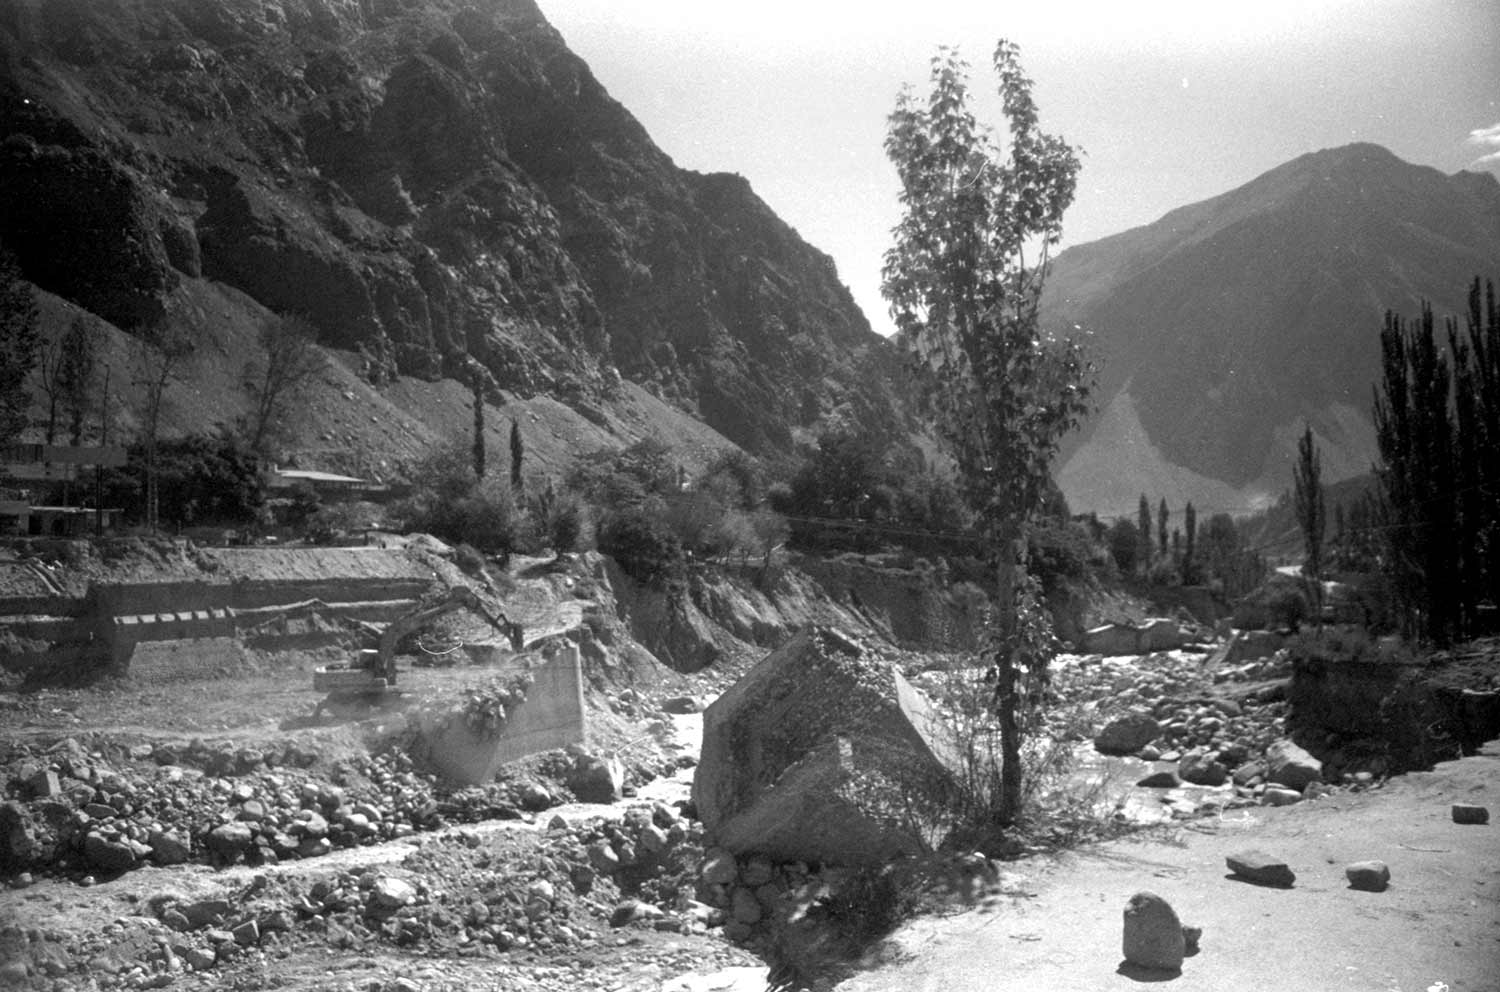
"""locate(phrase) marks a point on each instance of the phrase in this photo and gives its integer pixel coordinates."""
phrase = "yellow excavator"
(372, 676)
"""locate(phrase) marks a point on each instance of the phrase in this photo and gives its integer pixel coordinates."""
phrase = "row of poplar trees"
(1437, 421)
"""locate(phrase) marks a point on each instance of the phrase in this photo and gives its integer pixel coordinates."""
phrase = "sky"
(1169, 102)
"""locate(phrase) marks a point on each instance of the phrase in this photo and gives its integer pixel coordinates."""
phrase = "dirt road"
(1436, 929)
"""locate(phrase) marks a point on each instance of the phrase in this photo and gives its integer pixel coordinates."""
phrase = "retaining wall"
(552, 717)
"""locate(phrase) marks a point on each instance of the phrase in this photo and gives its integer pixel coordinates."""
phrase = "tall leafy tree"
(20, 346)
(964, 279)
(1312, 515)
(289, 359)
(1437, 421)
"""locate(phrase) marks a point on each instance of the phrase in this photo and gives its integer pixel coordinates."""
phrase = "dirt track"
(1436, 929)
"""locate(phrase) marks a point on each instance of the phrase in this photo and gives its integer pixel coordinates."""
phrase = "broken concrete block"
(1469, 814)
(822, 752)
(1261, 868)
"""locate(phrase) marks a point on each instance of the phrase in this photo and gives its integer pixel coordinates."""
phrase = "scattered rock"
(1368, 876)
(1261, 868)
(168, 848)
(1153, 935)
(1469, 814)
(682, 704)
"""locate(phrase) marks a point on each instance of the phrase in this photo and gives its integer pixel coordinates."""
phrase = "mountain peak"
(1269, 300)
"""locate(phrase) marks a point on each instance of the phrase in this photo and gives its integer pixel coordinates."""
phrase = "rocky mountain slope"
(429, 182)
(1228, 323)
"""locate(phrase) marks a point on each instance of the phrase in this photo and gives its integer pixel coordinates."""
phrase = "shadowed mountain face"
(1227, 323)
(429, 181)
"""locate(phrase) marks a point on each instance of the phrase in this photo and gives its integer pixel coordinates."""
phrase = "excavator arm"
(457, 598)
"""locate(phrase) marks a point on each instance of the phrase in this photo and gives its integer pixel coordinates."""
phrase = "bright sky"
(1171, 102)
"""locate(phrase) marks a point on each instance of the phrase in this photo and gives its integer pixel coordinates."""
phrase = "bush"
(643, 546)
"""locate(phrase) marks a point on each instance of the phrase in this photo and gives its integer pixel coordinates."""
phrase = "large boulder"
(822, 752)
(1291, 766)
(1153, 935)
(1127, 734)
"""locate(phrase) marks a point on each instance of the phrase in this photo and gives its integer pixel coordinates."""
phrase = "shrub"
(643, 546)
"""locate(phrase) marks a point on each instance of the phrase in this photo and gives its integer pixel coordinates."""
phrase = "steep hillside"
(1229, 322)
(430, 182)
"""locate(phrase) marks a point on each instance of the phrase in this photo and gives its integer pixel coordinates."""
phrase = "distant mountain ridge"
(1227, 323)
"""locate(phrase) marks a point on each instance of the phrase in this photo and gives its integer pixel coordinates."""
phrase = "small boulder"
(1202, 769)
(1469, 814)
(230, 840)
(108, 855)
(390, 894)
(1261, 868)
(1368, 876)
(168, 848)
(1291, 766)
(1127, 734)
(595, 779)
(1163, 779)
(682, 705)
(719, 868)
(1153, 934)
(1274, 796)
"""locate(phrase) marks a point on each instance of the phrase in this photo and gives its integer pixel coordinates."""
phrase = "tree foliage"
(67, 370)
(20, 344)
(964, 279)
(1437, 422)
(289, 359)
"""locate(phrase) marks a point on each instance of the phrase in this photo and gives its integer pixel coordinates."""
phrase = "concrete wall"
(552, 716)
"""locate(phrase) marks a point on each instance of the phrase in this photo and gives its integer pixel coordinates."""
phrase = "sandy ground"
(1436, 929)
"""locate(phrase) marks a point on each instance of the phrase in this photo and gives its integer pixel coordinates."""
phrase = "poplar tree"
(1312, 516)
(1161, 527)
(964, 279)
(1143, 524)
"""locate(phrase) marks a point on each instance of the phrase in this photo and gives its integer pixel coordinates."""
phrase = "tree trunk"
(1005, 678)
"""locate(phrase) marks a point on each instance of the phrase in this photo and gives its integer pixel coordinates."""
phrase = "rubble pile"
(93, 809)
(554, 891)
